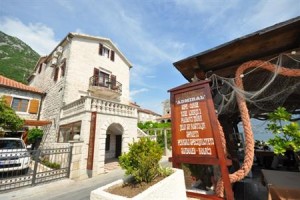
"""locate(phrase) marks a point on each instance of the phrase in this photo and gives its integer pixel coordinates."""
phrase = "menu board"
(196, 141)
(193, 131)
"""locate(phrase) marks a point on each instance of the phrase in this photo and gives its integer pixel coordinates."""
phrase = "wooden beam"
(36, 122)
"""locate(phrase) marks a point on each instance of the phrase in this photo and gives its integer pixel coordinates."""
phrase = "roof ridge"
(4, 81)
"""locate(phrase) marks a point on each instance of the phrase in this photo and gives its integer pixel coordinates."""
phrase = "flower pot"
(171, 187)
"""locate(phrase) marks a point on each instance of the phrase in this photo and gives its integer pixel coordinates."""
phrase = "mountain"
(17, 59)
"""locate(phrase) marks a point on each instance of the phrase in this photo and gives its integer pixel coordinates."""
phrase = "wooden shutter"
(112, 56)
(100, 49)
(63, 69)
(8, 100)
(40, 68)
(113, 82)
(96, 76)
(56, 73)
(34, 106)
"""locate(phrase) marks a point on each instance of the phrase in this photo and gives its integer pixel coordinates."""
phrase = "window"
(63, 69)
(20, 105)
(56, 71)
(103, 79)
(104, 51)
(67, 132)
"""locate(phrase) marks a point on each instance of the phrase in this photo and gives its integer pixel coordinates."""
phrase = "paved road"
(66, 189)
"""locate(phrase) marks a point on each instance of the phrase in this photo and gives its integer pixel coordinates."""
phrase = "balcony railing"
(99, 105)
(109, 84)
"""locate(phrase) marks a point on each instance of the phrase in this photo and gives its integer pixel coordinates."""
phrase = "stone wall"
(78, 164)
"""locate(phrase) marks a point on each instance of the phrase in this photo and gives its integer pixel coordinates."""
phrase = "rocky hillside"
(17, 59)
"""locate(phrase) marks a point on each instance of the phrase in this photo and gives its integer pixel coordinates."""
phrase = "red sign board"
(193, 131)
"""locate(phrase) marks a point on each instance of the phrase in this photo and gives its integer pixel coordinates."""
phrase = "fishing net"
(263, 90)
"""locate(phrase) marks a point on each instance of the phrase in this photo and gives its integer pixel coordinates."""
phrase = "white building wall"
(84, 57)
(145, 117)
(103, 122)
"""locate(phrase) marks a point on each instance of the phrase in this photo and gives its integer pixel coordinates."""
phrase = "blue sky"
(152, 34)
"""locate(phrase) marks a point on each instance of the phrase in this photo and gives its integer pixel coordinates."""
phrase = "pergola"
(224, 60)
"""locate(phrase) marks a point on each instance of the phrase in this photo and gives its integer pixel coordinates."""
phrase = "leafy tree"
(34, 134)
(9, 120)
(287, 133)
(150, 126)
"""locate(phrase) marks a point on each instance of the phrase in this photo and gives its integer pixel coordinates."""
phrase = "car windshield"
(11, 144)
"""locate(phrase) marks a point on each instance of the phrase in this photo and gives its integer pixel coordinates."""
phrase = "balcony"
(91, 104)
(109, 89)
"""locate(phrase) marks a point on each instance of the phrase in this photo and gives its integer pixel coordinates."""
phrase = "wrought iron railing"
(110, 83)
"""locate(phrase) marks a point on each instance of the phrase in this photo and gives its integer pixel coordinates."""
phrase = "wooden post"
(166, 141)
(90, 158)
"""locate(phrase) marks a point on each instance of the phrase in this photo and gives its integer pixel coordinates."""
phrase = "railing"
(98, 105)
(141, 134)
(162, 136)
(31, 167)
(110, 83)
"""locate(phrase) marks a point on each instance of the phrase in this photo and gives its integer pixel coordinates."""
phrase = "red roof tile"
(14, 84)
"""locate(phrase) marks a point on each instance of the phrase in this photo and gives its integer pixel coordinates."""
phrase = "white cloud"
(67, 4)
(267, 13)
(135, 92)
(38, 36)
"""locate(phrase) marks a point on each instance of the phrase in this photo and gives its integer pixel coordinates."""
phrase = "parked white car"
(13, 155)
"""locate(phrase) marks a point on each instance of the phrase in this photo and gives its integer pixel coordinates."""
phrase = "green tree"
(151, 126)
(9, 120)
(286, 133)
(34, 134)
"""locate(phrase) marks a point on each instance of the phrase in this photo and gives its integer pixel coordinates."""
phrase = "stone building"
(145, 115)
(166, 116)
(25, 100)
(86, 82)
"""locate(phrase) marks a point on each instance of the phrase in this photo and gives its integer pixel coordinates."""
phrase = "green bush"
(142, 160)
(52, 165)
(34, 134)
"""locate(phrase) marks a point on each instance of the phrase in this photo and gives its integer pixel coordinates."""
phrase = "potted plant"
(286, 139)
(147, 179)
(34, 137)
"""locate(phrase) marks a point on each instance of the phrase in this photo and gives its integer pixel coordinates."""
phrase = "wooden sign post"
(195, 133)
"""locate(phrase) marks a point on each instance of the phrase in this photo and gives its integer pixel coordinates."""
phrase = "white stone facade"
(146, 116)
(70, 101)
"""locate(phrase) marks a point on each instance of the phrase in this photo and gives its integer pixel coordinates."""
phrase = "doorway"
(118, 146)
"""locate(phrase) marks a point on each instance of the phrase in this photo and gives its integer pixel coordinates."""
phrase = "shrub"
(34, 134)
(142, 160)
(52, 165)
